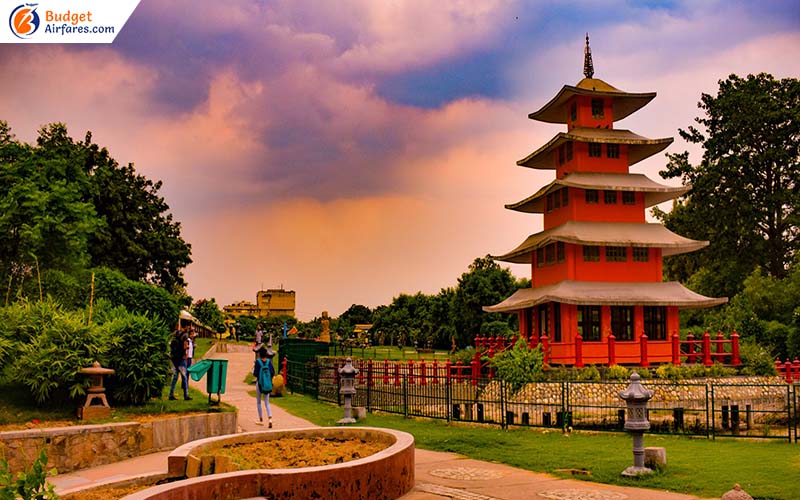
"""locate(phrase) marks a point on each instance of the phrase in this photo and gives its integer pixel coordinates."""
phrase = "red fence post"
(369, 374)
(546, 348)
(361, 371)
(396, 373)
(796, 368)
(676, 349)
(422, 374)
(435, 371)
(578, 351)
(644, 361)
(691, 358)
(284, 369)
(707, 349)
(410, 372)
(735, 359)
(612, 349)
(720, 346)
(476, 368)
(491, 366)
(788, 367)
(386, 372)
(458, 371)
(447, 367)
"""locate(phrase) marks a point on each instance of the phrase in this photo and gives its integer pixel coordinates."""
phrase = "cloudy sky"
(351, 150)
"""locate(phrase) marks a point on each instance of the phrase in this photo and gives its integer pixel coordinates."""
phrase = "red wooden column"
(644, 360)
(691, 358)
(707, 349)
(676, 349)
(612, 349)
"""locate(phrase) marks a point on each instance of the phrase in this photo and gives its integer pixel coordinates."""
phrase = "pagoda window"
(612, 150)
(610, 197)
(564, 197)
(573, 112)
(589, 323)
(616, 254)
(539, 257)
(592, 196)
(655, 322)
(641, 254)
(556, 199)
(550, 254)
(622, 322)
(597, 108)
(549, 203)
(591, 254)
(569, 151)
(595, 149)
(543, 319)
(560, 251)
(560, 152)
(628, 198)
(556, 322)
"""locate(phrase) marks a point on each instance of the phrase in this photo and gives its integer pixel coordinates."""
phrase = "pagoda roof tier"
(618, 234)
(655, 193)
(639, 148)
(624, 103)
(669, 293)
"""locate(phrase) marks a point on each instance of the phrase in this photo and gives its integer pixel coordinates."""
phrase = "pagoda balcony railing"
(643, 351)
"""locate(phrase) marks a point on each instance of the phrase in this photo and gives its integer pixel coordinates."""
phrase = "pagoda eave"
(624, 103)
(669, 293)
(639, 149)
(655, 193)
(634, 234)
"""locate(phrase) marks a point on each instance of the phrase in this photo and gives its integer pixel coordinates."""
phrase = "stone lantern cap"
(348, 370)
(636, 393)
(96, 369)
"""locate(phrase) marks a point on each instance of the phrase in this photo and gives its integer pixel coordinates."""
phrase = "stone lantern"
(347, 381)
(96, 394)
(636, 398)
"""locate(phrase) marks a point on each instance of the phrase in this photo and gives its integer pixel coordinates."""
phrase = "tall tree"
(208, 313)
(746, 191)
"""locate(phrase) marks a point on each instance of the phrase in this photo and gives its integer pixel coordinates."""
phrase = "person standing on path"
(259, 340)
(264, 371)
(190, 348)
(178, 353)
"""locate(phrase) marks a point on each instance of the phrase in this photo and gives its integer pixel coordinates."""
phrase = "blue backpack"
(264, 376)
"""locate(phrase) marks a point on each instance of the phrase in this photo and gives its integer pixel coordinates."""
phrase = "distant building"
(272, 302)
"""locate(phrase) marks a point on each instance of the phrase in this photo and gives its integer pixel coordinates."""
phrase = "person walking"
(264, 371)
(190, 348)
(178, 353)
(259, 340)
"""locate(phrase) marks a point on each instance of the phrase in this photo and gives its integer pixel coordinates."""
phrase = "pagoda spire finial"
(588, 66)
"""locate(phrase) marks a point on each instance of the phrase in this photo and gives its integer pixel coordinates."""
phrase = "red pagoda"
(597, 294)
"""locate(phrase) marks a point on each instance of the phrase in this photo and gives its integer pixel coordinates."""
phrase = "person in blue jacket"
(264, 371)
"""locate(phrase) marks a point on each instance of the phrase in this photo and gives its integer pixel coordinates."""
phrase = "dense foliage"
(520, 365)
(67, 205)
(748, 183)
(208, 313)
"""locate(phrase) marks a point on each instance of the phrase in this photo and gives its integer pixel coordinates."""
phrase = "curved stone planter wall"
(82, 446)
(386, 475)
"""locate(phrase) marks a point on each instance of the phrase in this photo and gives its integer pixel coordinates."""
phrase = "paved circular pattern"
(575, 494)
(467, 474)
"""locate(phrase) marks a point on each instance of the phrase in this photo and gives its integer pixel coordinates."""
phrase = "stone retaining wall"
(82, 446)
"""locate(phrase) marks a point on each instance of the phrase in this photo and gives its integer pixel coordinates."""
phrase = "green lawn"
(766, 470)
(392, 353)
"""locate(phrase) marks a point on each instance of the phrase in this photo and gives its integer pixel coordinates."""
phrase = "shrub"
(587, 373)
(30, 484)
(669, 371)
(464, 355)
(520, 365)
(617, 372)
(136, 297)
(136, 348)
(48, 364)
(756, 359)
(718, 370)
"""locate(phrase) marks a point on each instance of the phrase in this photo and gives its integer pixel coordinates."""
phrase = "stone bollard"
(655, 457)
(737, 493)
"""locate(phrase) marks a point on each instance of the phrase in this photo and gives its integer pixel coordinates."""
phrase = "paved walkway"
(438, 475)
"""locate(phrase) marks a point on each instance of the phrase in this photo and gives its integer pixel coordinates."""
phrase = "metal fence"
(433, 391)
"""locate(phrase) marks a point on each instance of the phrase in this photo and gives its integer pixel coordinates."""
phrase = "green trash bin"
(216, 378)
(215, 371)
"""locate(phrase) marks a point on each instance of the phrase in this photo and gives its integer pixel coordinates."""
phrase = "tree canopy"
(67, 205)
(747, 184)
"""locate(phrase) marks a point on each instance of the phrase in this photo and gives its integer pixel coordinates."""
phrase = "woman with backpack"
(264, 371)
